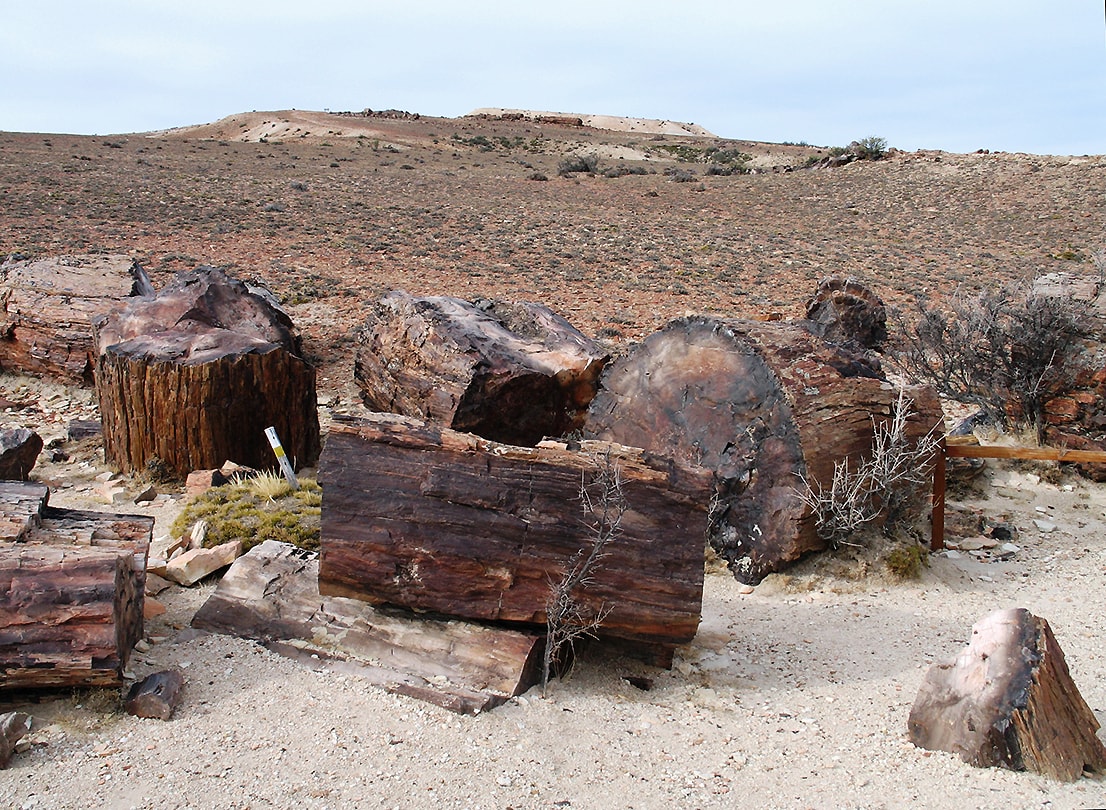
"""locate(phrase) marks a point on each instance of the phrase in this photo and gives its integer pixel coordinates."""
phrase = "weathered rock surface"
(19, 449)
(48, 306)
(510, 372)
(194, 375)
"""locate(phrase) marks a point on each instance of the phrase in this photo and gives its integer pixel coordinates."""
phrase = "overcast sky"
(959, 75)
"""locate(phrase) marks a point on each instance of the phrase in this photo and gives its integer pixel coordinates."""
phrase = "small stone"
(746, 589)
(1044, 526)
(145, 495)
(1009, 548)
(953, 555)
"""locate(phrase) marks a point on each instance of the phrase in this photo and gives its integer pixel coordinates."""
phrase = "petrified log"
(513, 373)
(846, 311)
(19, 449)
(432, 519)
(71, 591)
(49, 305)
(761, 404)
(1008, 700)
(156, 696)
(13, 726)
(271, 594)
(194, 375)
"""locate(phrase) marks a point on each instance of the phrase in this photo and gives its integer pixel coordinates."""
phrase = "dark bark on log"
(761, 404)
(433, 519)
(271, 594)
(49, 306)
(71, 591)
(1008, 700)
(194, 376)
(156, 696)
(13, 726)
(19, 449)
(514, 373)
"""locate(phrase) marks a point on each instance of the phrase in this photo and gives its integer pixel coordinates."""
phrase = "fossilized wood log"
(761, 404)
(19, 449)
(511, 372)
(71, 591)
(13, 727)
(156, 696)
(194, 375)
(1008, 700)
(49, 305)
(432, 519)
(271, 594)
(846, 311)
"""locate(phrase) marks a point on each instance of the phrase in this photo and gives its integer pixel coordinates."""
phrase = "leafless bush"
(567, 618)
(881, 485)
(1007, 350)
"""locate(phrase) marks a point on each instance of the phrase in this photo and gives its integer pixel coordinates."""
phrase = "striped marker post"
(282, 457)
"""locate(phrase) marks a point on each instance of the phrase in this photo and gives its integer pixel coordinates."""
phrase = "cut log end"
(1008, 700)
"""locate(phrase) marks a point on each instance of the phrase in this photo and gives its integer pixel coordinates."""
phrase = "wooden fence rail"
(953, 449)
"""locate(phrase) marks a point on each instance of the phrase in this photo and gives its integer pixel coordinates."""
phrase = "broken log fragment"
(271, 594)
(71, 591)
(510, 372)
(432, 519)
(48, 306)
(1008, 700)
(194, 375)
(13, 727)
(761, 404)
(845, 311)
(156, 696)
(19, 449)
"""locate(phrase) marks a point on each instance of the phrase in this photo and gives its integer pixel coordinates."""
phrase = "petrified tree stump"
(432, 519)
(1008, 700)
(71, 591)
(514, 373)
(49, 305)
(271, 594)
(194, 375)
(761, 404)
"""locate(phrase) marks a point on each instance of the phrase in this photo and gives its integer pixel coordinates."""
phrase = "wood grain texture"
(433, 519)
(47, 307)
(761, 404)
(194, 375)
(271, 594)
(1008, 700)
(511, 372)
(72, 587)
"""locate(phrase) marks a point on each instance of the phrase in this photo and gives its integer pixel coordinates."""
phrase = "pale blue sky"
(1019, 75)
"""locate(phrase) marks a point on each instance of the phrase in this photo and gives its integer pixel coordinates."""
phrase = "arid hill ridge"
(332, 210)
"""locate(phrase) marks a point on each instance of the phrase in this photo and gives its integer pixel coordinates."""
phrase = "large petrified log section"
(71, 591)
(271, 594)
(49, 305)
(510, 372)
(761, 404)
(1008, 700)
(432, 519)
(194, 375)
